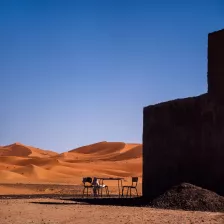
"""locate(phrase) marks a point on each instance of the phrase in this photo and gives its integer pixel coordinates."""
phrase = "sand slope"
(18, 149)
(21, 163)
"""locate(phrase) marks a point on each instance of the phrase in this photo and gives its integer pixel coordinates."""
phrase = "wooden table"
(118, 179)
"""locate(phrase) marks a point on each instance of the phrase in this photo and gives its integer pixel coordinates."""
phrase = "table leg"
(102, 189)
(120, 187)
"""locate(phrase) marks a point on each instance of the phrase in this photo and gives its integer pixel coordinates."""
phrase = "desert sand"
(51, 211)
(20, 163)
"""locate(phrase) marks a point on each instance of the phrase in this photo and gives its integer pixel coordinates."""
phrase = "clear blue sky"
(77, 72)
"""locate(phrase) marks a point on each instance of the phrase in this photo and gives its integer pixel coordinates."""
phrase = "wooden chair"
(87, 181)
(130, 187)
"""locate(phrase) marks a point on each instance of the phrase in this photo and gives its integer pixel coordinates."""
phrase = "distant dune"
(27, 164)
(100, 148)
(18, 149)
(106, 151)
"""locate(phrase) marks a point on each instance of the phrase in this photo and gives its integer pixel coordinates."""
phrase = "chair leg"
(130, 192)
(136, 191)
(97, 191)
(107, 191)
(83, 192)
(122, 194)
(127, 192)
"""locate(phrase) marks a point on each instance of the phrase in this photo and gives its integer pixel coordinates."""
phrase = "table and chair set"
(97, 185)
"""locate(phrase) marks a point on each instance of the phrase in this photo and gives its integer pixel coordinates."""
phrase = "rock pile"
(189, 197)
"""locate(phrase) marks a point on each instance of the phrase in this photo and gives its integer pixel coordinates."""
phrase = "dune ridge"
(18, 149)
(27, 164)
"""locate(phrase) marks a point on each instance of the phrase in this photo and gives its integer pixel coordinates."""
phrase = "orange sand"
(26, 164)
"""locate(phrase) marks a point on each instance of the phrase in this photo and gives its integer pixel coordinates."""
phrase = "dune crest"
(18, 149)
(100, 147)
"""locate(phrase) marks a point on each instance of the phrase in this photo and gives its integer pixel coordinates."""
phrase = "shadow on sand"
(52, 203)
(132, 202)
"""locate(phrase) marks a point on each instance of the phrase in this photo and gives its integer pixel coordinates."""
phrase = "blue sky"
(78, 72)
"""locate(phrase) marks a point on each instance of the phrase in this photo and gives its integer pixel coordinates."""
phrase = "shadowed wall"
(183, 139)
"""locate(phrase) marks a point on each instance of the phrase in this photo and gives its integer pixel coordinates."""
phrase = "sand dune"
(105, 151)
(135, 152)
(18, 149)
(100, 148)
(21, 163)
(35, 173)
(11, 176)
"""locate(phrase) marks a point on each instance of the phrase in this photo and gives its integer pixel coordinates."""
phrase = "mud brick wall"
(216, 64)
(183, 142)
(183, 139)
